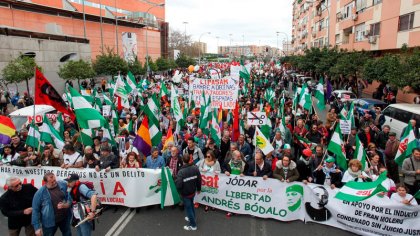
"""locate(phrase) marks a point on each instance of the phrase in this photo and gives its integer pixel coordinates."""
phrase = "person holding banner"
(401, 196)
(259, 167)
(188, 183)
(355, 173)
(286, 170)
(328, 174)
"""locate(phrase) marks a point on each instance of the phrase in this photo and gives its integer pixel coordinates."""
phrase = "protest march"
(244, 138)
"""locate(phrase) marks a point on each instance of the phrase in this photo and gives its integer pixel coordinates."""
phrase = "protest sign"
(106, 110)
(345, 126)
(257, 118)
(223, 91)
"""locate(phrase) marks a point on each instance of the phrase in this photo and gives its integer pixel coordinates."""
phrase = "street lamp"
(199, 47)
(217, 37)
(185, 35)
(230, 46)
(147, 48)
(287, 40)
(328, 27)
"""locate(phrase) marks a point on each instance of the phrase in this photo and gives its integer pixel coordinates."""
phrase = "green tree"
(411, 77)
(110, 63)
(76, 70)
(349, 64)
(172, 64)
(184, 61)
(20, 69)
(387, 69)
(162, 64)
(327, 59)
(152, 65)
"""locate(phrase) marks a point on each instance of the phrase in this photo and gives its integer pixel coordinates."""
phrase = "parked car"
(343, 95)
(398, 115)
(363, 105)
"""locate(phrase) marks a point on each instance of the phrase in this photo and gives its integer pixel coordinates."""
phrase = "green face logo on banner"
(294, 195)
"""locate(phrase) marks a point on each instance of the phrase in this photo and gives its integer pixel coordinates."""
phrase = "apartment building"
(355, 24)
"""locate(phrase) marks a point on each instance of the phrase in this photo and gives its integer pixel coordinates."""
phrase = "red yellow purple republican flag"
(143, 142)
(7, 129)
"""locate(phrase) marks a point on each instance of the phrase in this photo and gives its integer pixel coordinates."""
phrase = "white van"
(25, 115)
(398, 115)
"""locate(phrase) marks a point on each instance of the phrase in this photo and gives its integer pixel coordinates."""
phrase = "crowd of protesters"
(290, 161)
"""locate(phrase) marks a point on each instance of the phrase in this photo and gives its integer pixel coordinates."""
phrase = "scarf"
(354, 174)
(327, 171)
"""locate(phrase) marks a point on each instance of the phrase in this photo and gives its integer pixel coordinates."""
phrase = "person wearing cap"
(211, 146)
(16, 205)
(287, 151)
(107, 160)
(72, 159)
(328, 174)
(306, 167)
(154, 161)
(50, 207)
(82, 192)
(105, 142)
(391, 146)
(22, 157)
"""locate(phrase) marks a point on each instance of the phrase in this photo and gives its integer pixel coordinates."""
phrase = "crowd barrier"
(244, 195)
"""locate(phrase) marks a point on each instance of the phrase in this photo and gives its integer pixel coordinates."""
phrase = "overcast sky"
(258, 21)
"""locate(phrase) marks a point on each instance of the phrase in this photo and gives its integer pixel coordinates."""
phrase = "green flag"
(34, 135)
(407, 144)
(319, 94)
(152, 111)
(336, 146)
(360, 153)
(50, 135)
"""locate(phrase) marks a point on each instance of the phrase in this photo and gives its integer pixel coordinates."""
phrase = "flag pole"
(33, 116)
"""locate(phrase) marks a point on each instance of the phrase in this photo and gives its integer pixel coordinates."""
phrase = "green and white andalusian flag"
(87, 117)
(336, 146)
(176, 108)
(204, 113)
(34, 135)
(319, 94)
(358, 191)
(360, 153)
(215, 128)
(164, 91)
(305, 142)
(131, 84)
(152, 111)
(269, 96)
(85, 137)
(261, 142)
(305, 99)
(407, 144)
(50, 135)
(107, 134)
(59, 124)
(169, 195)
(244, 73)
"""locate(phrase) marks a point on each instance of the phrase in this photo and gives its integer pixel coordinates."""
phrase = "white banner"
(127, 187)
(222, 91)
(292, 201)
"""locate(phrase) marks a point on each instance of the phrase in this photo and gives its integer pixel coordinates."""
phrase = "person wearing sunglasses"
(16, 204)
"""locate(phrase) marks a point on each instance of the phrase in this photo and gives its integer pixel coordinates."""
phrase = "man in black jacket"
(107, 160)
(16, 204)
(188, 182)
(259, 167)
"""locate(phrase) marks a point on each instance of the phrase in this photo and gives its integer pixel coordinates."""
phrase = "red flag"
(235, 132)
(46, 94)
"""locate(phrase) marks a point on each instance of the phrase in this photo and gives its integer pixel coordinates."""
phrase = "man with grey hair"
(107, 160)
(16, 204)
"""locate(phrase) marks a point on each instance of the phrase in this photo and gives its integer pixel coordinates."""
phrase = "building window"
(375, 29)
(348, 10)
(406, 22)
(376, 2)
(360, 29)
(337, 38)
(360, 5)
